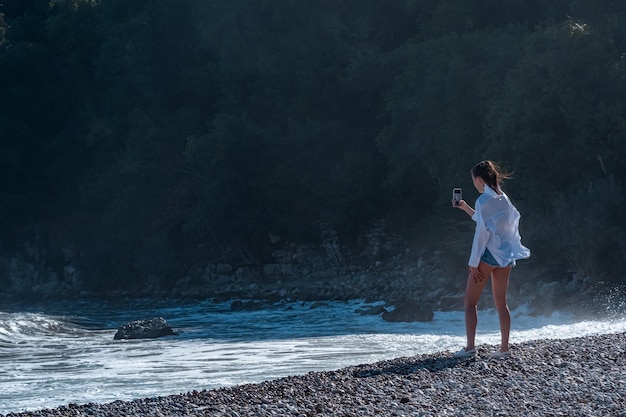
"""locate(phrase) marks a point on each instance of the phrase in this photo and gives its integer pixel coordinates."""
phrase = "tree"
(560, 120)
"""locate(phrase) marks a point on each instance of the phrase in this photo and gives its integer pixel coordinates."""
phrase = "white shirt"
(497, 229)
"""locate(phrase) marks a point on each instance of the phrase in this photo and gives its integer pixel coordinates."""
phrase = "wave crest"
(16, 328)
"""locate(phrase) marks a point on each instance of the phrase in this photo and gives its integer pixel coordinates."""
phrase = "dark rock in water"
(409, 310)
(145, 329)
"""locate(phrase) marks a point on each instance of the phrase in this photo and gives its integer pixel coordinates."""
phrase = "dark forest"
(139, 138)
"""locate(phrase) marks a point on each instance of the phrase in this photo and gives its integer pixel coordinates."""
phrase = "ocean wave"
(15, 328)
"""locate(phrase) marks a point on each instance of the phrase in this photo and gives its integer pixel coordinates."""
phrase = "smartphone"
(457, 196)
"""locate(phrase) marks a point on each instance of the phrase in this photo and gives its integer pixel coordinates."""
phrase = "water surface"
(53, 354)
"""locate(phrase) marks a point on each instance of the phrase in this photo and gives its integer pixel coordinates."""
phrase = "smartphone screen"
(457, 195)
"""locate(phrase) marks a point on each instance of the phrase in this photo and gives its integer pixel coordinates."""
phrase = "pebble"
(569, 377)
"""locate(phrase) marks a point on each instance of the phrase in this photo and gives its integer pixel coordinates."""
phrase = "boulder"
(409, 311)
(223, 269)
(145, 329)
(270, 270)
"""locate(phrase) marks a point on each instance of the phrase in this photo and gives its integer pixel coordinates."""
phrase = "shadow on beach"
(407, 366)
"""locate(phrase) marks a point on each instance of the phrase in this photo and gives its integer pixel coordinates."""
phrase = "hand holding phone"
(457, 196)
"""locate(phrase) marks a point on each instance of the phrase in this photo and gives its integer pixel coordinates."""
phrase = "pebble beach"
(560, 377)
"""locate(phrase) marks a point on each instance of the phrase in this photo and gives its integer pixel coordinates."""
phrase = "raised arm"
(465, 207)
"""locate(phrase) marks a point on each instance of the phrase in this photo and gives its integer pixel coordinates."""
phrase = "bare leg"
(499, 285)
(472, 294)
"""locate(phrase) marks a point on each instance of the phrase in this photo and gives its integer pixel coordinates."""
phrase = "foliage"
(161, 134)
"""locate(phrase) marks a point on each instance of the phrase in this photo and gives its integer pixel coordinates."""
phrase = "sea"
(57, 353)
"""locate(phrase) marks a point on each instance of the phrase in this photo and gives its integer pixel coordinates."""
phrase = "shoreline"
(583, 376)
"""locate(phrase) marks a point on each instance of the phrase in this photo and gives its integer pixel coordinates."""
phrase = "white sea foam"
(66, 353)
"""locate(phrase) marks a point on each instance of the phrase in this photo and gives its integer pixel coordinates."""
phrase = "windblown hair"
(491, 173)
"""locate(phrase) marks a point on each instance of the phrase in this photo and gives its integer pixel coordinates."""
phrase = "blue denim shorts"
(490, 260)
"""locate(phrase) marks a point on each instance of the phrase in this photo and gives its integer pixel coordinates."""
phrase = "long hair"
(491, 173)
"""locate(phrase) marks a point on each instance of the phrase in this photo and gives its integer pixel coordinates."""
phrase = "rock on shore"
(145, 329)
(573, 377)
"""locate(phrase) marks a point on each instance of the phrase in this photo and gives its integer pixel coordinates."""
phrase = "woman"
(496, 246)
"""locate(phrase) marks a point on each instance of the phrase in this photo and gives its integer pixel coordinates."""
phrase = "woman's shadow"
(407, 366)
